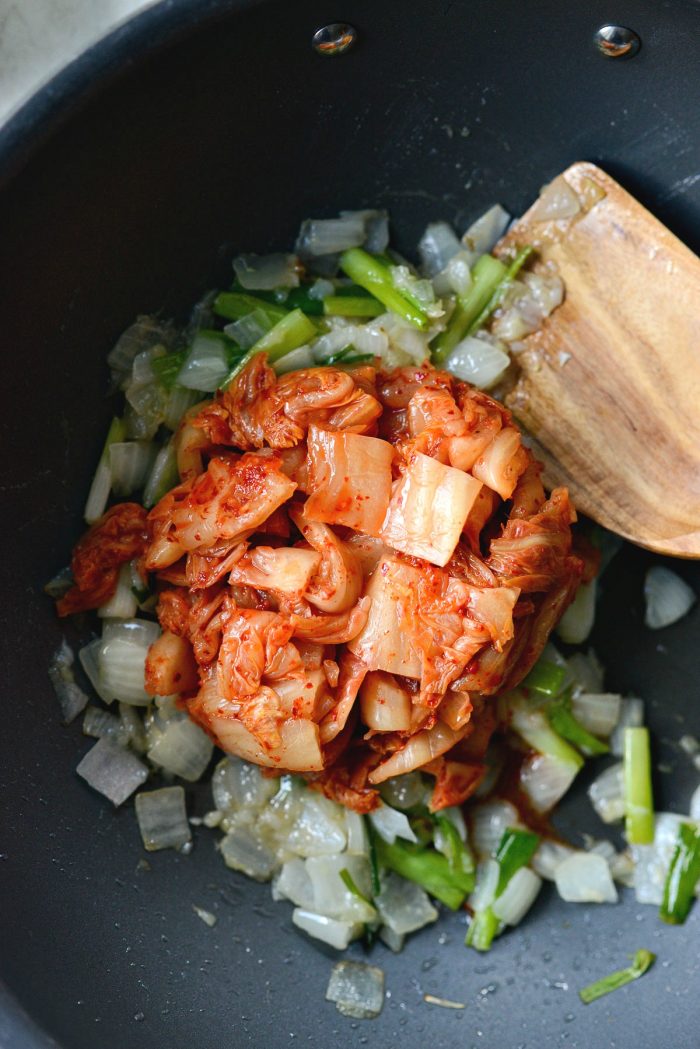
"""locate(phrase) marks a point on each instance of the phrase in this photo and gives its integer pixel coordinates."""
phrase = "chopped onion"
(518, 896)
(237, 784)
(356, 833)
(357, 989)
(557, 200)
(123, 603)
(243, 851)
(329, 236)
(484, 234)
(332, 897)
(121, 659)
(436, 247)
(267, 272)
(144, 334)
(391, 824)
(695, 804)
(70, 696)
(206, 916)
(335, 933)
(585, 878)
(98, 723)
(89, 660)
(147, 401)
(364, 338)
(162, 818)
(422, 291)
(321, 289)
(293, 883)
(487, 875)
(631, 716)
(130, 463)
(61, 583)
(607, 793)
(548, 856)
(300, 358)
(403, 792)
(112, 770)
(319, 829)
(668, 597)
(184, 749)
(163, 476)
(394, 941)
(577, 622)
(651, 862)
(545, 779)
(478, 362)
(248, 330)
(206, 365)
(376, 228)
(132, 728)
(586, 670)
(598, 713)
(179, 401)
(456, 277)
(488, 821)
(404, 906)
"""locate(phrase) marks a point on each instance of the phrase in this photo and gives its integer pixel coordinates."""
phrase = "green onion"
(288, 298)
(531, 724)
(428, 868)
(641, 962)
(372, 275)
(458, 852)
(166, 369)
(516, 849)
(483, 927)
(373, 861)
(639, 803)
(497, 297)
(349, 883)
(293, 330)
(683, 875)
(235, 304)
(355, 306)
(546, 677)
(486, 277)
(563, 721)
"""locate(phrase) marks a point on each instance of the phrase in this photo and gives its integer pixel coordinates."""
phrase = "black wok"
(206, 126)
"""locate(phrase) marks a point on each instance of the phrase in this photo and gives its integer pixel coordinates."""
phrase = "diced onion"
(121, 659)
(668, 597)
(123, 603)
(403, 792)
(321, 289)
(403, 906)
(162, 818)
(144, 334)
(112, 770)
(206, 916)
(184, 749)
(98, 722)
(577, 622)
(267, 272)
(488, 822)
(300, 358)
(206, 365)
(545, 779)
(556, 201)
(238, 785)
(695, 804)
(248, 330)
(456, 277)
(293, 883)
(179, 401)
(243, 851)
(478, 361)
(484, 234)
(607, 794)
(548, 856)
(335, 933)
(355, 833)
(631, 716)
(130, 463)
(329, 236)
(319, 829)
(332, 897)
(357, 989)
(586, 671)
(585, 877)
(598, 713)
(391, 824)
(71, 697)
(132, 728)
(518, 896)
(436, 247)
(394, 941)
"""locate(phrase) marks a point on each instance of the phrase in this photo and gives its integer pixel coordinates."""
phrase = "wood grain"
(610, 386)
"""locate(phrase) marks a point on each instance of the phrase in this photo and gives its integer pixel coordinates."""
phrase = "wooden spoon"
(610, 385)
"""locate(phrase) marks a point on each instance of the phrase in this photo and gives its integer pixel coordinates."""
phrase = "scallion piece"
(373, 861)
(641, 962)
(639, 803)
(166, 369)
(497, 297)
(428, 868)
(349, 883)
(458, 852)
(562, 720)
(546, 678)
(487, 274)
(372, 275)
(236, 304)
(516, 849)
(483, 928)
(683, 875)
(355, 306)
(293, 330)
(102, 481)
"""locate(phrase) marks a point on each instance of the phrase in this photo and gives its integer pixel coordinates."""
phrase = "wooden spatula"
(610, 386)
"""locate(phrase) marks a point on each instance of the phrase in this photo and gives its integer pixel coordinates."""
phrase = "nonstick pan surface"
(207, 127)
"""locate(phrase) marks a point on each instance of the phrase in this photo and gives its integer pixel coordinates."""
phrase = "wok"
(205, 126)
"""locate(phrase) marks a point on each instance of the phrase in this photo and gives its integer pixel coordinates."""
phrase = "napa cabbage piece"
(287, 571)
(429, 508)
(349, 479)
(383, 643)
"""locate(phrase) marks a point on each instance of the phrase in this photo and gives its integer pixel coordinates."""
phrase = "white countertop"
(38, 37)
